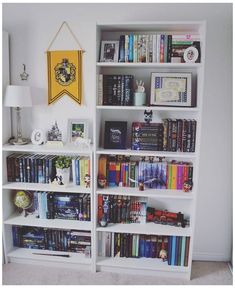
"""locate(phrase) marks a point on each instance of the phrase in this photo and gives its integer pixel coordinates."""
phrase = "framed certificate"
(171, 89)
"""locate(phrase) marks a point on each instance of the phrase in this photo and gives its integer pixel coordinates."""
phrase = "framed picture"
(115, 135)
(77, 130)
(171, 89)
(109, 51)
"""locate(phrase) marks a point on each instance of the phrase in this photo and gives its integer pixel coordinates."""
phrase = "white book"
(112, 244)
(100, 89)
(158, 47)
(154, 48)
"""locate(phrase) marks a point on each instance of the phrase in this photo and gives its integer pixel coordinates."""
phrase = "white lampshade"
(17, 96)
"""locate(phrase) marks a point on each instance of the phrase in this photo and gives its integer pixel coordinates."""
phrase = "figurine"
(101, 181)
(87, 181)
(188, 185)
(163, 255)
(140, 86)
(24, 75)
(103, 221)
(54, 134)
(148, 115)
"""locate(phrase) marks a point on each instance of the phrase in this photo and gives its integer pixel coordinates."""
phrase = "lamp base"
(21, 141)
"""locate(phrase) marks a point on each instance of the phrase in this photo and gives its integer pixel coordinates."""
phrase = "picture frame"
(77, 130)
(171, 89)
(38, 137)
(109, 51)
(115, 135)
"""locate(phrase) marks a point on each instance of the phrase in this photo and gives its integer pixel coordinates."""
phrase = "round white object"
(37, 137)
(191, 54)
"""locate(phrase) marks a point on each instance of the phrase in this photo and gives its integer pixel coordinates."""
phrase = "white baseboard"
(202, 256)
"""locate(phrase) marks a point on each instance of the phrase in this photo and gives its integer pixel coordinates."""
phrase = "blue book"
(183, 244)
(131, 42)
(173, 249)
(177, 250)
(147, 247)
(169, 250)
(142, 246)
(77, 171)
(165, 48)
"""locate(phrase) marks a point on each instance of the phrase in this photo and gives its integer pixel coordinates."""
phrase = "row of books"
(115, 90)
(175, 135)
(154, 174)
(176, 248)
(179, 135)
(122, 209)
(161, 48)
(51, 239)
(35, 168)
(147, 136)
(68, 206)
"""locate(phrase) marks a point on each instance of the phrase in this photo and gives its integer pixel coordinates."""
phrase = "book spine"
(169, 48)
(183, 242)
(165, 56)
(122, 48)
(158, 48)
(126, 48)
(194, 129)
(174, 136)
(162, 48)
(100, 89)
(173, 250)
(130, 47)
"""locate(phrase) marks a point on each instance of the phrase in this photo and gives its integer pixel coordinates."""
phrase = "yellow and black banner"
(64, 75)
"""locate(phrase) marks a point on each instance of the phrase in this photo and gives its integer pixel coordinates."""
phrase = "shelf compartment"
(148, 228)
(46, 149)
(154, 108)
(146, 153)
(31, 220)
(148, 65)
(24, 253)
(139, 263)
(46, 187)
(158, 193)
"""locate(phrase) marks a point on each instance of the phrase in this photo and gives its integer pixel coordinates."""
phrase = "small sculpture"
(102, 181)
(24, 75)
(140, 86)
(87, 180)
(163, 255)
(54, 134)
(148, 115)
(188, 185)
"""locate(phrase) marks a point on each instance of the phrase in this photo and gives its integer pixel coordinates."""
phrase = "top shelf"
(167, 26)
(66, 149)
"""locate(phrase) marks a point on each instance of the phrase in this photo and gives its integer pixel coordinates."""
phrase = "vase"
(139, 99)
(63, 176)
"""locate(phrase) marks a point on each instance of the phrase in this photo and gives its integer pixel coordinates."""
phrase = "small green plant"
(63, 162)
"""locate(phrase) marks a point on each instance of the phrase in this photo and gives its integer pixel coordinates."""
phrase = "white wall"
(31, 28)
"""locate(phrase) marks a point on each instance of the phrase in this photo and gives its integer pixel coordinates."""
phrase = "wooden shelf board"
(139, 263)
(46, 187)
(148, 228)
(31, 220)
(24, 253)
(154, 108)
(148, 65)
(146, 153)
(31, 148)
(158, 193)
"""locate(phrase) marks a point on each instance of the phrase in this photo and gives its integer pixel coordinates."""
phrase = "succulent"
(63, 162)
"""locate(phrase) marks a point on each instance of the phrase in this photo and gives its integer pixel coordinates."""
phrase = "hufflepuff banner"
(64, 75)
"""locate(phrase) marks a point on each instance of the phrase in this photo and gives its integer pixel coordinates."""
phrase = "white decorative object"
(139, 95)
(62, 176)
(38, 137)
(191, 54)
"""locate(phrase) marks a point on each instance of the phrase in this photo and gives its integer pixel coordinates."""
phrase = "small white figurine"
(140, 86)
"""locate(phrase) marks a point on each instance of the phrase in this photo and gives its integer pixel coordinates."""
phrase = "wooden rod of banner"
(70, 30)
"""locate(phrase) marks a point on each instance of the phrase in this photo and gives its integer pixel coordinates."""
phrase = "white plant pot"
(63, 175)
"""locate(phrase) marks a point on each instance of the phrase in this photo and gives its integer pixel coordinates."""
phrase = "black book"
(121, 57)
(174, 136)
(189, 136)
(194, 129)
(169, 48)
(115, 135)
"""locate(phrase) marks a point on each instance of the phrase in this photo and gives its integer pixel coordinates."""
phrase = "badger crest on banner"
(64, 72)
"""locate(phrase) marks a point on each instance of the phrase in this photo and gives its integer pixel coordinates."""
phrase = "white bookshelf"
(182, 201)
(12, 217)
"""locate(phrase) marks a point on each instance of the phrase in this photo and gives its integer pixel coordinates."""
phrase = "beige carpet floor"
(203, 273)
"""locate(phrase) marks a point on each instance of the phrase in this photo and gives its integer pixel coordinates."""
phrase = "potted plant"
(62, 165)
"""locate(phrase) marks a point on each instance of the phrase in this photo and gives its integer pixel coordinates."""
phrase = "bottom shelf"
(152, 264)
(24, 253)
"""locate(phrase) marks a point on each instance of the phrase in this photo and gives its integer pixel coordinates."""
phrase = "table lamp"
(18, 96)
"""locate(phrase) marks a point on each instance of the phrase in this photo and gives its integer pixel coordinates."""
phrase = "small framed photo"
(115, 135)
(109, 51)
(77, 130)
(171, 89)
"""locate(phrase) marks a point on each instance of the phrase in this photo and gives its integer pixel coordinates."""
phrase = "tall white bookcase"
(172, 200)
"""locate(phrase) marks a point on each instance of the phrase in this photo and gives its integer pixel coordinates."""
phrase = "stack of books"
(147, 136)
